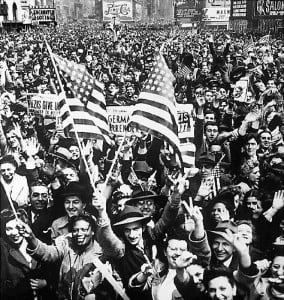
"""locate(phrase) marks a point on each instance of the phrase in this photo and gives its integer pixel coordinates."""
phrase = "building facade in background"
(22, 14)
(260, 16)
(187, 12)
(215, 14)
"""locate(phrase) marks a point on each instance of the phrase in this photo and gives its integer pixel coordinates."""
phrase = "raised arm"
(39, 250)
(112, 246)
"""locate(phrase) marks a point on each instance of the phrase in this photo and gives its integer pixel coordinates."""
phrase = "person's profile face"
(277, 272)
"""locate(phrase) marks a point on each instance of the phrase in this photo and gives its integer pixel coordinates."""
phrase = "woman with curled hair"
(22, 277)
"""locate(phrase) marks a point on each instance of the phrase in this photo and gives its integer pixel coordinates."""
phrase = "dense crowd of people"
(214, 230)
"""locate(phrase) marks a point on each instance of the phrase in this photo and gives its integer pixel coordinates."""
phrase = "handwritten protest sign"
(43, 104)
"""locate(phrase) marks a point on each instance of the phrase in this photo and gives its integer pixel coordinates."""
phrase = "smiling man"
(76, 254)
(74, 204)
(221, 242)
(40, 216)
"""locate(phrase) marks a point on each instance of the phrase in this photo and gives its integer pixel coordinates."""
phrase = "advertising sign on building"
(186, 9)
(42, 14)
(122, 9)
(239, 8)
(269, 8)
(216, 14)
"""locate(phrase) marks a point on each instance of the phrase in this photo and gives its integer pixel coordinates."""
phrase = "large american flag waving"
(155, 111)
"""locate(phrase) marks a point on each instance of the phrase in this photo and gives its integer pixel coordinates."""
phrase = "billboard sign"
(39, 14)
(121, 9)
(269, 8)
(186, 9)
(239, 8)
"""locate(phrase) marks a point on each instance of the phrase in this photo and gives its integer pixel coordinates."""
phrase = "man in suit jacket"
(40, 216)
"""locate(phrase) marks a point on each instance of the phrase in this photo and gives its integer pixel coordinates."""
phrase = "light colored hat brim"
(132, 220)
(224, 235)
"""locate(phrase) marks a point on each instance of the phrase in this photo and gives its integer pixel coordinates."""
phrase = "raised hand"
(262, 265)
(252, 116)
(206, 187)
(239, 244)
(184, 260)
(17, 130)
(88, 149)
(99, 202)
(147, 270)
(54, 139)
(31, 146)
(278, 200)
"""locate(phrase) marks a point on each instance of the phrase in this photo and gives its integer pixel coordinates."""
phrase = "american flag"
(188, 150)
(248, 46)
(183, 71)
(264, 39)
(87, 110)
(155, 111)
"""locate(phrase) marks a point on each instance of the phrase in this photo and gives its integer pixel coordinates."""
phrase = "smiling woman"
(22, 277)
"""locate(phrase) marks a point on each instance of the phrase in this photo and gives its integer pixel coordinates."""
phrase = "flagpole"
(114, 160)
(100, 266)
(75, 131)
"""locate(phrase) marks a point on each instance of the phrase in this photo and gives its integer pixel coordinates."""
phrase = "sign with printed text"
(120, 9)
(118, 118)
(269, 8)
(185, 121)
(43, 14)
(43, 104)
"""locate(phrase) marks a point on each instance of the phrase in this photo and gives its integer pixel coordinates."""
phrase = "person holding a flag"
(130, 241)
(79, 276)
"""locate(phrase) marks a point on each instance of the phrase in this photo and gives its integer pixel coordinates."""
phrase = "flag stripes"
(87, 111)
(155, 111)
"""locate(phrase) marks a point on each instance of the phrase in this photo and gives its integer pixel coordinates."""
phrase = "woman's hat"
(63, 154)
(130, 214)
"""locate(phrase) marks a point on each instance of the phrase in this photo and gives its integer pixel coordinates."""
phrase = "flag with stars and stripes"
(87, 109)
(183, 71)
(264, 40)
(248, 46)
(156, 111)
